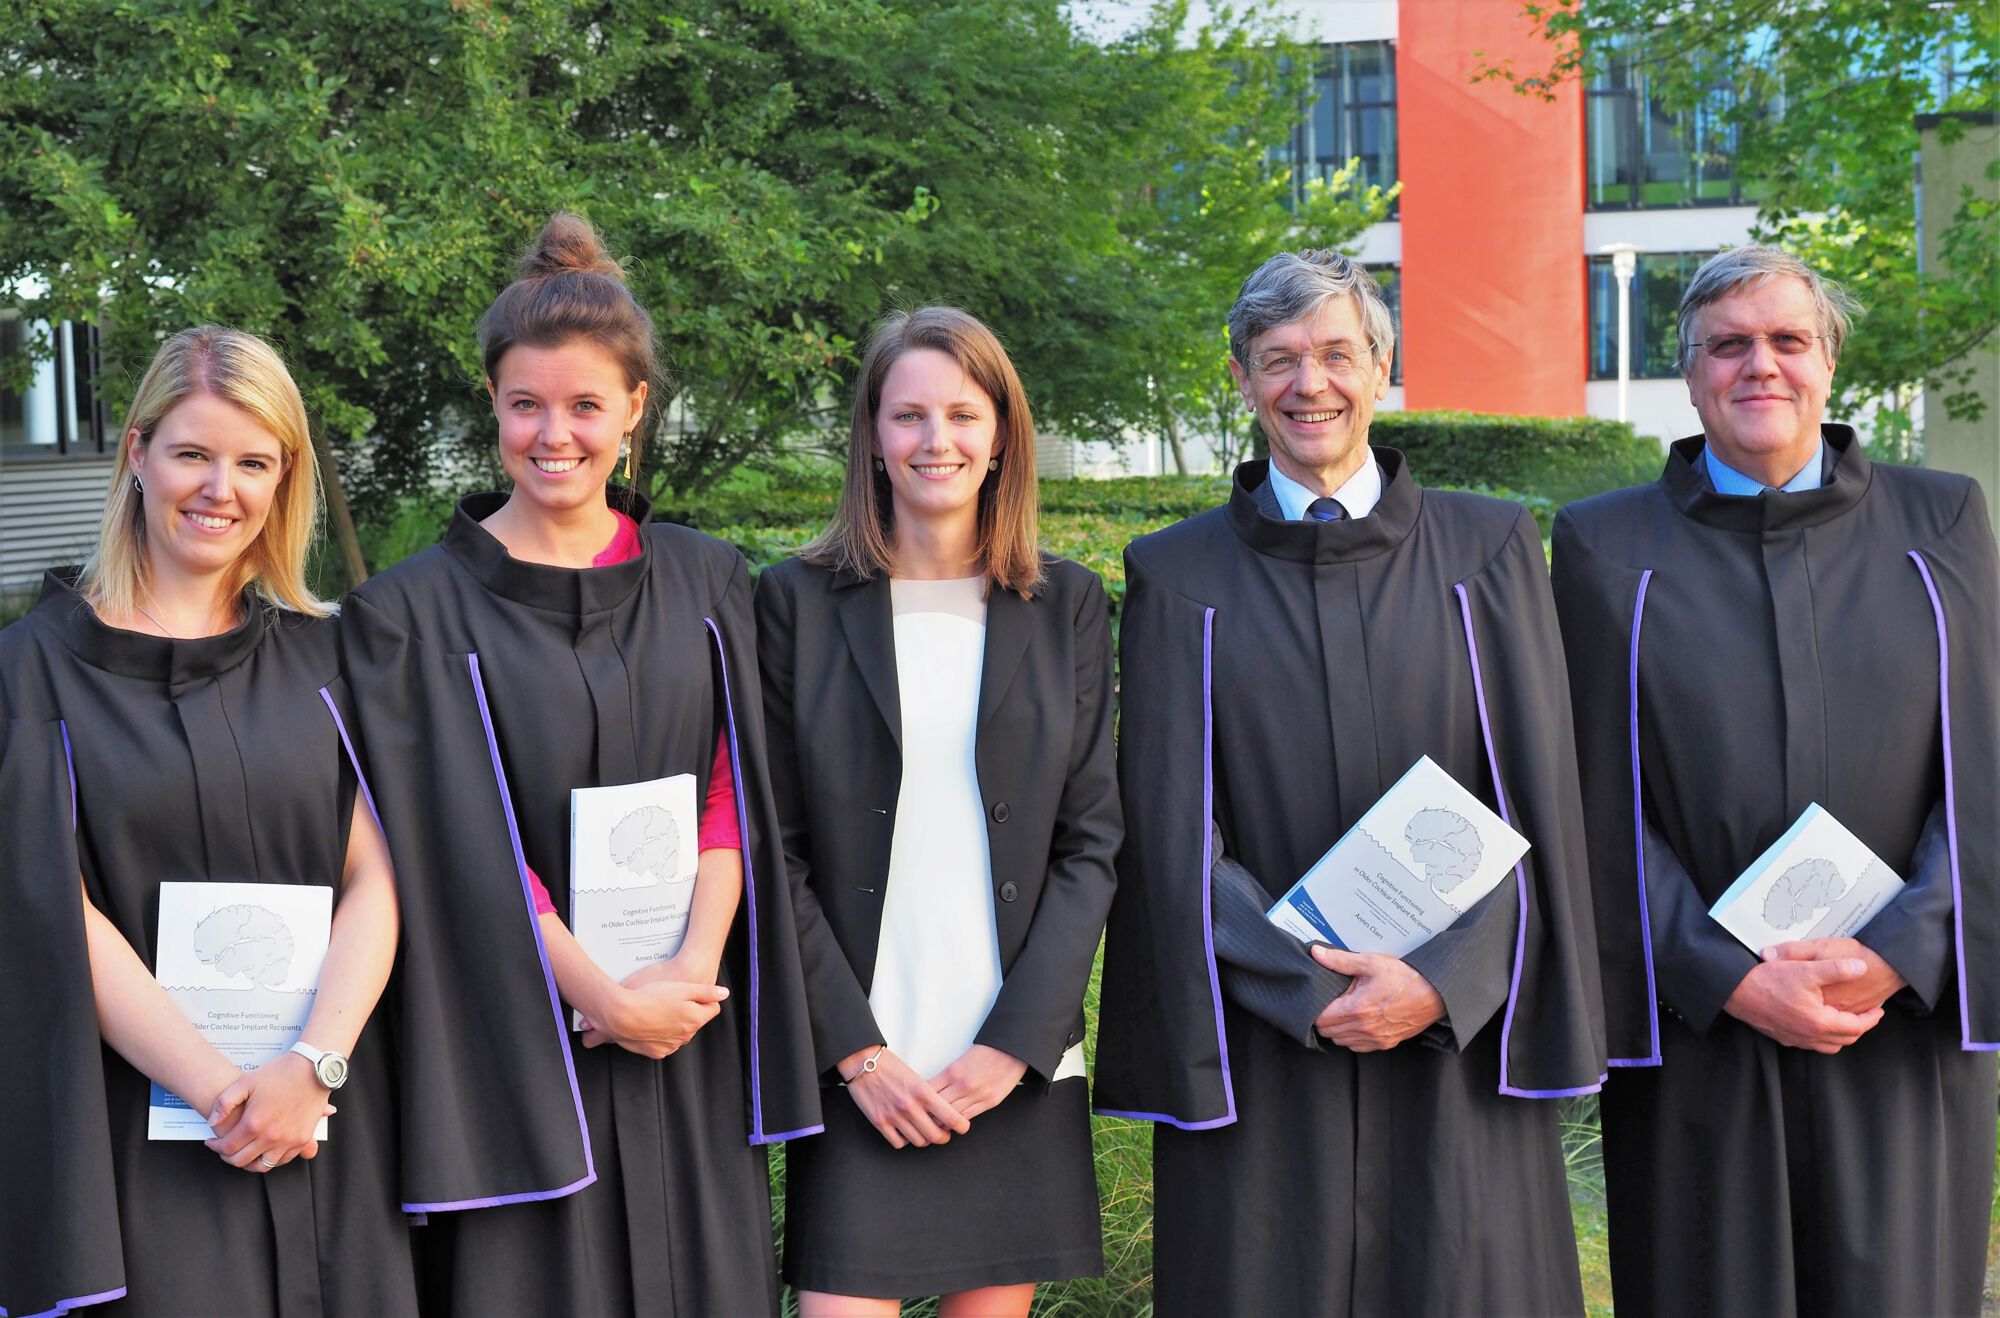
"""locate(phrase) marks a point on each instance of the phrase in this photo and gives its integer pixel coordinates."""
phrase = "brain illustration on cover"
(1802, 892)
(1446, 845)
(648, 842)
(246, 941)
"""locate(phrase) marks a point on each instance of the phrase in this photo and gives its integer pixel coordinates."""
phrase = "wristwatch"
(329, 1066)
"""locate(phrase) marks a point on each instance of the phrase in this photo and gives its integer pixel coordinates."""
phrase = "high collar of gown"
(573, 590)
(1344, 541)
(1686, 483)
(176, 664)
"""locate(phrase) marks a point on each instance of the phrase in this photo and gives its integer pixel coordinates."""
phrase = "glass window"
(1390, 277)
(1656, 299)
(58, 411)
(1352, 114)
(1639, 155)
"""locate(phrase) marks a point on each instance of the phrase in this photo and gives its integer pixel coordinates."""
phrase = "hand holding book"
(1386, 1002)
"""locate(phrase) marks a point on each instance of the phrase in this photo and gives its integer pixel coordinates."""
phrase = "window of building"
(1656, 299)
(1390, 277)
(58, 412)
(1637, 154)
(1351, 114)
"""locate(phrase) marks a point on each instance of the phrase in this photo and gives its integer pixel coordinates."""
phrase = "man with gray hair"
(1343, 1131)
(1806, 1126)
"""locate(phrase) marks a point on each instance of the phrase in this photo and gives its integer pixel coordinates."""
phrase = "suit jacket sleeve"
(842, 1023)
(1697, 962)
(1031, 1017)
(1913, 932)
(59, 1236)
(1265, 970)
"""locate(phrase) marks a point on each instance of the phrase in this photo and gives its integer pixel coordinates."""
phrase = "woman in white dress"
(938, 700)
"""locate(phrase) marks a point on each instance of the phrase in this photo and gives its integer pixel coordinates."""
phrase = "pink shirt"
(719, 828)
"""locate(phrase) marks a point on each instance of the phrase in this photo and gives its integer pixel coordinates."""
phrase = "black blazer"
(826, 642)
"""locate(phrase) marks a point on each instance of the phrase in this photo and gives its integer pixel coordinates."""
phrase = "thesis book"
(1420, 858)
(633, 852)
(1816, 881)
(242, 962)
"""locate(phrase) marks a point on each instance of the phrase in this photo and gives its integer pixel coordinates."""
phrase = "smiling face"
(1761, 411)
(935, 432)
(210, 471)
(1315, 418)
(562, 413)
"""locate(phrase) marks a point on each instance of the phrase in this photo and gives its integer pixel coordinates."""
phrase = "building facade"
(56, 452)
(1499, 256)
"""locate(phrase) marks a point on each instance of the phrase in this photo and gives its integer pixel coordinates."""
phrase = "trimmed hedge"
(1559, 458)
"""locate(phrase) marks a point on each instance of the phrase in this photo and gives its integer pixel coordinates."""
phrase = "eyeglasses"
(1729, 347)
(1286, 365)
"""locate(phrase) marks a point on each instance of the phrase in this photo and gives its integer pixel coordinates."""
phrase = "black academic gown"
(488, 688)
(136, 760)
(1732, 661)
(1277, 678)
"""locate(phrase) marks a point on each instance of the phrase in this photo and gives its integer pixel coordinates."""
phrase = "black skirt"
(1013, 1200)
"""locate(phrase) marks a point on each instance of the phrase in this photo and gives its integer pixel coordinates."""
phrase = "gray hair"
(1294, 285)
(1747, 267)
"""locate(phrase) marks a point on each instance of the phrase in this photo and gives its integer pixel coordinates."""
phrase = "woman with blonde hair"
(938, 701)
(613, 1025)
(168, 716)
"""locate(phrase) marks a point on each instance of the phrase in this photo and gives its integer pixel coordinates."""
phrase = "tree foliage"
(1827, 94)
(354, 177)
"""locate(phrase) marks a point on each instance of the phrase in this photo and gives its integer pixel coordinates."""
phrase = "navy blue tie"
(1326, 510)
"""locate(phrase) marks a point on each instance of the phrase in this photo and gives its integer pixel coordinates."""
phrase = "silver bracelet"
(867, 1066)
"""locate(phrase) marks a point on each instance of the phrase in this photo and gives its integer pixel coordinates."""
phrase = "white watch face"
(331, 1069)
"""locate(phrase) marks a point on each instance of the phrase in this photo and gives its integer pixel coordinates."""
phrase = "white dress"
(937, 965)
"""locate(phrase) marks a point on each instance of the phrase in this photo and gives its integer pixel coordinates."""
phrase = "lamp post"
(1624, 264)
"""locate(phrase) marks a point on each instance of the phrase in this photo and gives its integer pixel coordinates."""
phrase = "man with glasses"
(1342, 1131)
(1807, 1126)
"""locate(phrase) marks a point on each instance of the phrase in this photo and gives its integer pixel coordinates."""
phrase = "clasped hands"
(909, 1110)
(658, 1009)
(265, 1118)
(1818, 993)
(1386, 1002)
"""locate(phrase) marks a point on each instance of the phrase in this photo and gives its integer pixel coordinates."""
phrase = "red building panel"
(1494, 303)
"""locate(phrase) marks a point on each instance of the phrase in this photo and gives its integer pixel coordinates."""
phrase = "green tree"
(353, 177)
(1214, 207)
(1826, 95)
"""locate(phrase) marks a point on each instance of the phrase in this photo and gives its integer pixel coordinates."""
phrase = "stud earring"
(992, 464)
(880, 466)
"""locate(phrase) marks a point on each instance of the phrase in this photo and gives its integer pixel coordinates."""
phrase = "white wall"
(1659, 408)
(1310, 20)
(1688, 229)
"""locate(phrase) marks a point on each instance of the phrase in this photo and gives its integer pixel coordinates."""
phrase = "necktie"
(1326, 510)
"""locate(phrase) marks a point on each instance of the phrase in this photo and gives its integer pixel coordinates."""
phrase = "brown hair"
(860, 537)
(567, 288)
(246, 372)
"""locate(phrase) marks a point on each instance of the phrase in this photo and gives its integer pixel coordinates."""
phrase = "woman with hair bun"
(557, 643)
(169, 714)
(938, 695)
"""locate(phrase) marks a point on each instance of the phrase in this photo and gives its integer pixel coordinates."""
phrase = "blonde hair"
(243, 370)
(860, 537)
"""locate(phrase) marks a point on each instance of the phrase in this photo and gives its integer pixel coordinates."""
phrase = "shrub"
(1560, 458)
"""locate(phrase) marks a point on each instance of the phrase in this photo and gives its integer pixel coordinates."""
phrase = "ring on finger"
(265, 1160)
